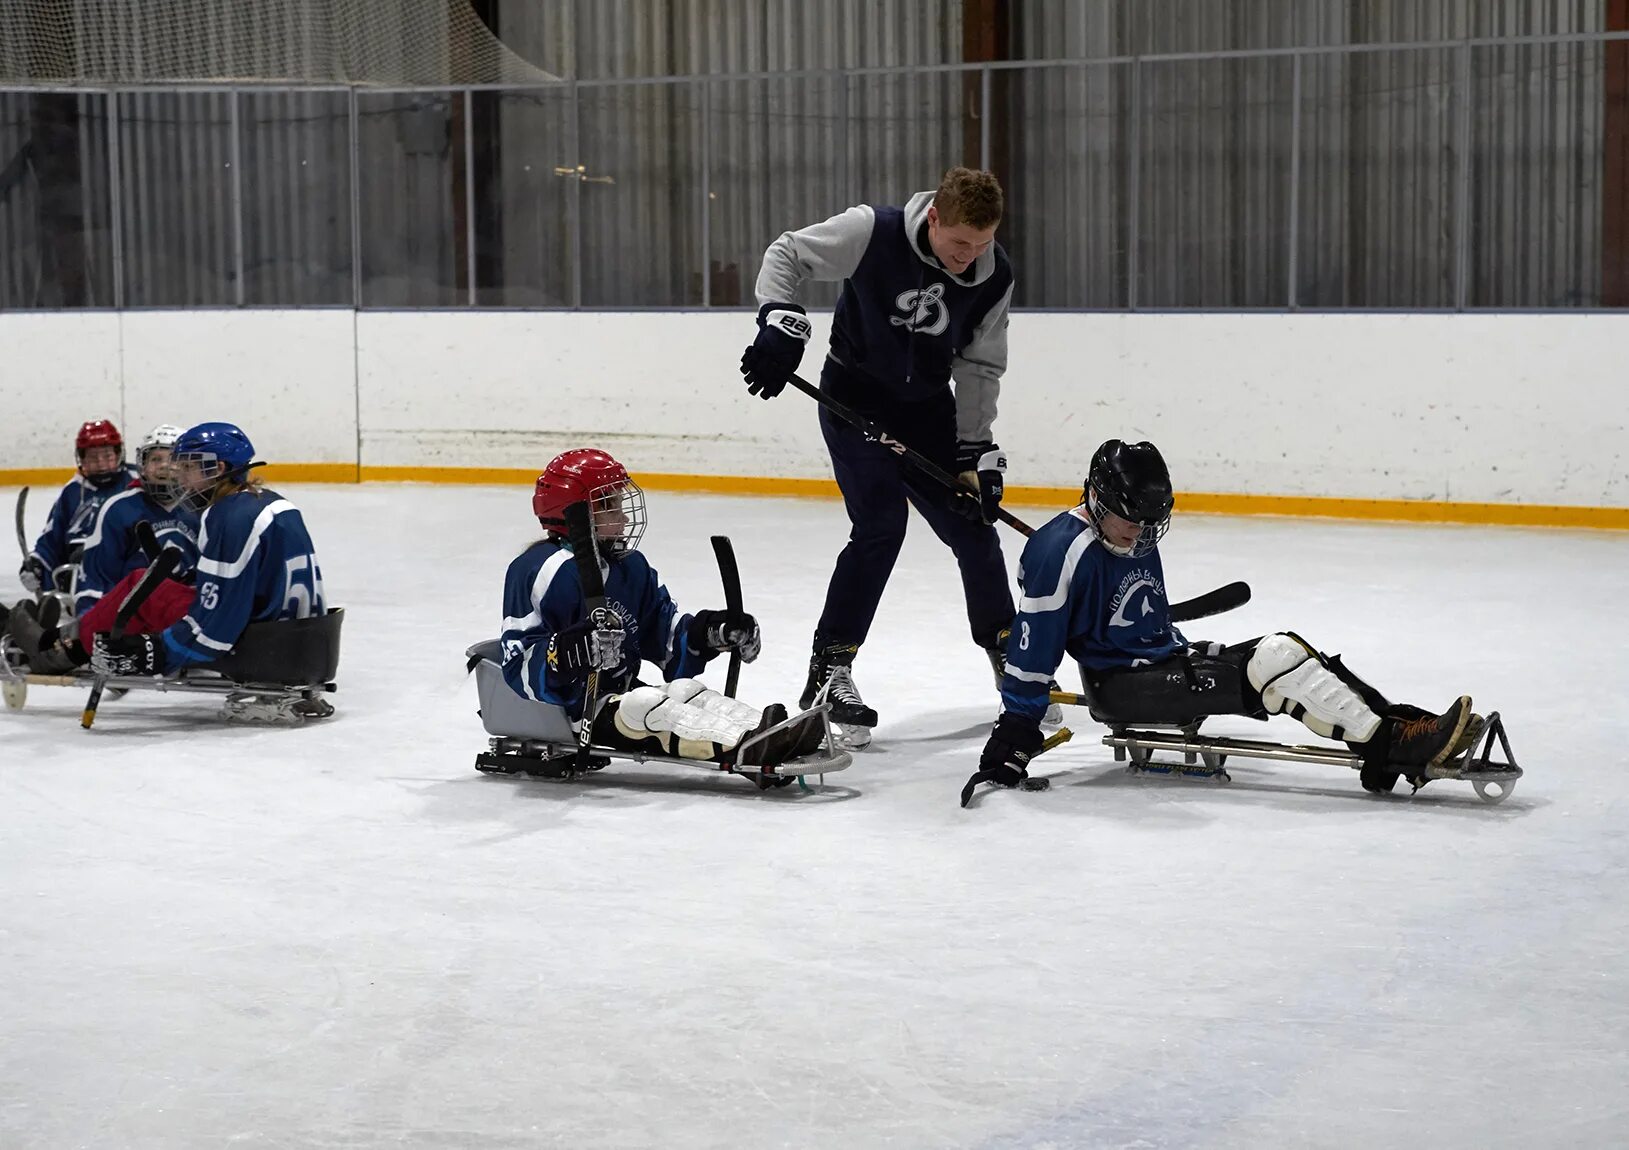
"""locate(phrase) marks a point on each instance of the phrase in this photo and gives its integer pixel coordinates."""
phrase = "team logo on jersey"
(1138, 587)
(84, 518)
(924, 310)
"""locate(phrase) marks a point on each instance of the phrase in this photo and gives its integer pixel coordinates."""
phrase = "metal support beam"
(706, 221)
(241, 291)
(1134, 183)
(1295, 185)
(115, 182)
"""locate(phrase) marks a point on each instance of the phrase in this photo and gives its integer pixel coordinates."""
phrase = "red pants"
(169, 601)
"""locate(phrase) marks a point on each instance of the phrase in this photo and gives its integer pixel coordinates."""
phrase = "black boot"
(830, 672)
(1428, 740)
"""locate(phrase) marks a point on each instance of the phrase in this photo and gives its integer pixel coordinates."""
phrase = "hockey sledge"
(538, 739)
(1185, 752)
(277, 673)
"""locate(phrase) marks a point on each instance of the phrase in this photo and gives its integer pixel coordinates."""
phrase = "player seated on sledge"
(1093, 587)
(102, 473)
(550, 644)
(111, 552)
(255, 564)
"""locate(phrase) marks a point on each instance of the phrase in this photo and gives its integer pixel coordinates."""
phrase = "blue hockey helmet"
(215, 452)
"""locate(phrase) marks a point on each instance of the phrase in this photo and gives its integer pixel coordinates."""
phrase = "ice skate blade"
(851, 738)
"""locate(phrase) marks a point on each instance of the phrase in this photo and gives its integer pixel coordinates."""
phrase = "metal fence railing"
(1455, 174)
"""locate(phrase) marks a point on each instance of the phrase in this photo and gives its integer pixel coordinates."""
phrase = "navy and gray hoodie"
(904, 326)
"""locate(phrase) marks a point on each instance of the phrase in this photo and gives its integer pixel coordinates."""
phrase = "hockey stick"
(147, 540)
(22, 536)
(585, 553)
(1056, 738)
(1224, 598)
(915, 458)
(163, 567)
(724, 552)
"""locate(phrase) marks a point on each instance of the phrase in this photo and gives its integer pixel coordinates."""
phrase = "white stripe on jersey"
(235, 568)
(1060, 594)
(1028, 676)
(526, 674)
(540, 587)
(95, 536)
(672, 633)
(203, 639)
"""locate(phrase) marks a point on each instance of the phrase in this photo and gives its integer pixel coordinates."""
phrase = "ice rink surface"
(344, 936)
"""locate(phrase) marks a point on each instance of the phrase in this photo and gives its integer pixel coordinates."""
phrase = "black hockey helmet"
(1132, 481)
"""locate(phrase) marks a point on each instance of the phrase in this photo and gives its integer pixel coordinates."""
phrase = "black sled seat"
(537, 738)
(1136, 740)
(286, 652)
(277, 672)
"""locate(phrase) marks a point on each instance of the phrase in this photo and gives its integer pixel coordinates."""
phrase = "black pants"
(1179, 689)
(876, 486)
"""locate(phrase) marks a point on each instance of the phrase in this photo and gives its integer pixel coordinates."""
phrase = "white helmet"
(164, 435)
(165, 488)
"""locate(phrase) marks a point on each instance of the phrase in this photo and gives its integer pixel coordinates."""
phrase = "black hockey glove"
(983, 468)
(127, 655)
(1005, 761)
(34, 574)
(783, 331)
(587, 646)
(725, 631)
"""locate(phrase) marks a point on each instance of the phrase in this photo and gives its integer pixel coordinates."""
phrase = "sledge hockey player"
(1092, 586)
(924, 300)
(99, 450)
(550, 645)
(255, 564)
(110, 552)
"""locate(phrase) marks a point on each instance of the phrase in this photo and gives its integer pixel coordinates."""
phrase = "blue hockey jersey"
(111, 551)
(1079, 597)
(255, 564)
(73, 515)
(542, 595)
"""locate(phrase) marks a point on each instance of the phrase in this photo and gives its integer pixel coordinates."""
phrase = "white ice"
(344, 936)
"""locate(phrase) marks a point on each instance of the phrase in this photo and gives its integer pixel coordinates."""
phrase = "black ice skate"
(831, 680)
(1429, 740)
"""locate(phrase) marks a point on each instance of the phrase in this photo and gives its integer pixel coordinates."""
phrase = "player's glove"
(1206, 647)
(725, 631)
(127, 655)
(34, 574)
(982, 467)
(1007, 752)
(783, 331)
(587, 645)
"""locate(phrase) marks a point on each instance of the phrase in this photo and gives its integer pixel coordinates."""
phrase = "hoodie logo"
(924, 309)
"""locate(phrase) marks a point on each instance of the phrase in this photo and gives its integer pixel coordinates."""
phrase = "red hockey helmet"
(588, 473)
(99, 433)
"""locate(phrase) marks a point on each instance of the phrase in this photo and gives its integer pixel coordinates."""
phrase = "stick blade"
(1224, 598)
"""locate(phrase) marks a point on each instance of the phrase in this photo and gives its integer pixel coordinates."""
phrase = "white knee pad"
(665, 712)
(1293, 681)
(715, 702)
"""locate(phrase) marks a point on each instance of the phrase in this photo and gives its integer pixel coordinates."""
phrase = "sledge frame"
(252, 686)
(1202, 756)
(535, 738)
